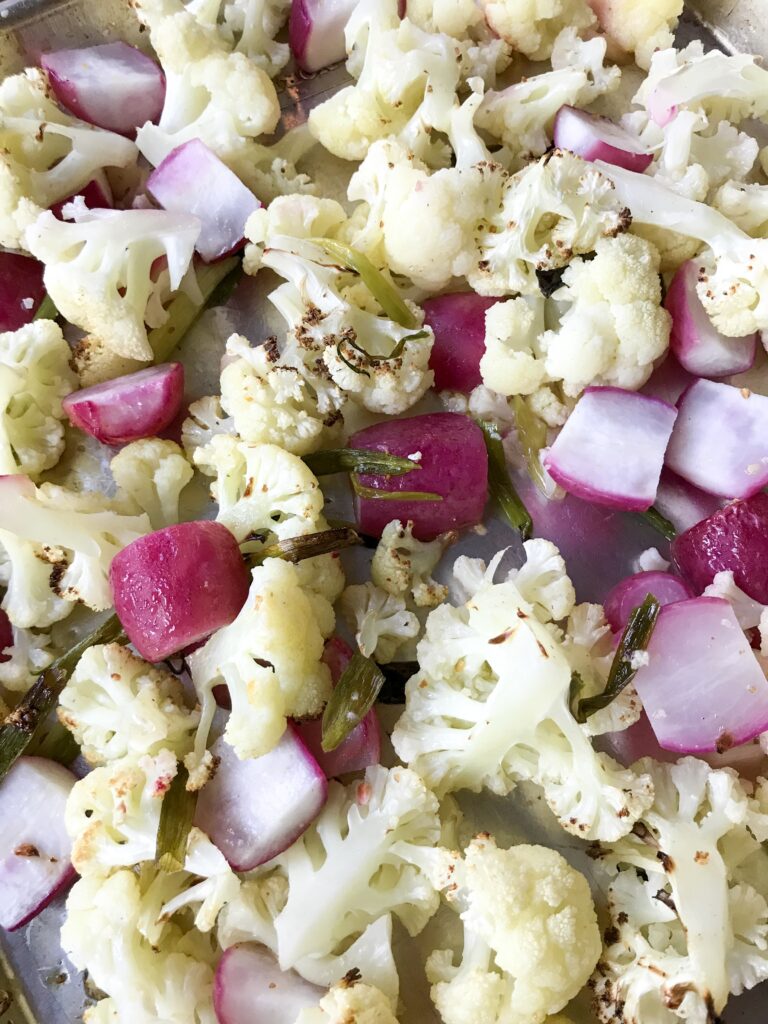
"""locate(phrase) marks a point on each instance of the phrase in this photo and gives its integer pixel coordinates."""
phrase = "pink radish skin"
(113, 86)
(682, 503)
(703, 688)
(125, 409)
(21, 290)
(458, 323)
(96, 196)
(193, 180)
(316, 32)
(631, 592)
(597, 138)
(250, 988)
(453, 464)
(611, 449)
(699, 347)
(35, 849)
(668, 381)
(254, 809)
(178, 585)
(6, 636)
(719, 440)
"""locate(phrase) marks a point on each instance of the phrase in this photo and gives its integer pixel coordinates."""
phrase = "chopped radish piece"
(668, 381)
(703, 688)
(250, 988)
(597, 138)
(631, 592)
(611, 448)
(453, 463)
(96, 196)
(734, 538)
(127, 408)
(35, 849)
(316, 32)
(114, 85)
(192, 179)
(6, 636)
(681, 503)
(698, 345)
(254, 809)
(458, 323)
(720, 440)
(178, 585)
(21, 290)
(337, 654)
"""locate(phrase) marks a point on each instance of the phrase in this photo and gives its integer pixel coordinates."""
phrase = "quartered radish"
(703, 688)
(593, 137)
(631, 592)
(35, 849)
(611, 449)
(681, 503)
(141, 404)
(316, 32)
(255, 808)
(178, 585)
(192, 179)
(113, 85)
(720, 440)
(250, 988)
(458, 323)
(21, 290)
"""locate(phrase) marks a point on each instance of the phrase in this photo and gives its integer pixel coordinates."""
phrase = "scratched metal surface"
(37, 985)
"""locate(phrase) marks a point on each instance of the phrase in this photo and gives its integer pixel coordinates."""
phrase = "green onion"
(296, 549)
(358, 460)
(635, 637)
(380, 288)
(532, 435)
(21, 725)
(216, 282)
(353, 697)
(377, 492)
(500, 484)
(47, 310)
(176, 816)
(58, 744)
(659, 522)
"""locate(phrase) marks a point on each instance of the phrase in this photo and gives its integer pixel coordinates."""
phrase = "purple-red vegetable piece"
(316, 32)
(21, 290)
(593, 137)
(631, 592)
(6, 636)
(458, 323)
(250, 988)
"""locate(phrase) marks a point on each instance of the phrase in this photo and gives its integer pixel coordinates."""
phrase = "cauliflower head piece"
(24, 660)
(402, 565)
(248, 28)
(151, 474)
(638, 29)
(513, 363)
(350, 1002)
(380, 619)
(531, 26)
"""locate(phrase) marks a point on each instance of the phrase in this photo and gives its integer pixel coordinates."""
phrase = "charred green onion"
(500, 483)
(176, 816)
(362, 491)
(358, 460)
(353, 697)
(532, 435)
(659, 522)
(216, 282)
(296, 549)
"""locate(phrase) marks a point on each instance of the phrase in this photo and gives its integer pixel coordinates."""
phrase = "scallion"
(353, 697)
(358, 460)
(660, 523)
(532, 436)
(362, 491)
(176, 816)
(500, 483)
(296, 549)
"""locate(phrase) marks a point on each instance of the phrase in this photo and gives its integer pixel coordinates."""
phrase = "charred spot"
(351, 978)
(26, 850)
(57, 573)
(521, 614)
(611, 935)
(332, 418)
(724, 742)
(664, 897)
(622, 918)
(502, 637)
(248, 488)
(674, 996)
(666, 861)
(542, 648)
(701, 857)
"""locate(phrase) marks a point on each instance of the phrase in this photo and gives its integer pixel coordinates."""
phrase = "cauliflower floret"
(745, 205)
(531, 26)
(295, 216)
(34, 378)
(26, 658)
(26, 572)
(403, 565)
(98, 269)
(117, 705)
(457, 18)
(152, 473)
(512, 363)
(269, 658)
(206, 420)
(249, 27)
(350, 1002)
(638, 28)
(531, 936)
(543, 581)
(381, 621)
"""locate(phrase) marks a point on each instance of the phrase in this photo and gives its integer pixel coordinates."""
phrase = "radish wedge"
(597, 138)
(141, 404)
(720, 440)
(698, 345)
(458, 323)
(178, 585)
(631, 592)
(703, 688)
(250, 988)
(611, 449)
(316, 32)
(21, 290)
(192, 179)
(681, 503)
(35, 849)
(114, 85)
(253, 809)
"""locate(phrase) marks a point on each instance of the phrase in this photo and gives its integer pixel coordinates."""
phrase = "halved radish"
(593, 137)
(631, 592)
(458, 323)
(21, 290)
(250, 988)
(316, 32)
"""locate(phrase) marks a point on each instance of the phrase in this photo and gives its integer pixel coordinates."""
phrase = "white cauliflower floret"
(26, 658)
(457, 18)
(113, 813)
(403, 565)
(26, 573)
(98, 269)
(249, 27)
(117, 705)
(152, 473)
(531, 26)
(47, 155)
(381, 621)
(205, 421)
(350, 1002)
(295, 216)
(638, 28)
(543, 581)
(512, 363)
(34, 377)
(745, 205)
(614, 328)
(269, 658)
(531, 936)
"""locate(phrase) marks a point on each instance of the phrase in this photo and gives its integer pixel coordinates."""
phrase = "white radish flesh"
(316, 32)
(681, 503)
(597, 138)
(250, 988)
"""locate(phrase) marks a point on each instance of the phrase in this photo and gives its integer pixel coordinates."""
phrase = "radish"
(631, 592)
(597, 138)
(178, 585)
(697, 344)
(254, 809)
(720, 440)
(733, 538)
(611, 448)
(35, 849)
(453, 464)
(21, 290)
(316, 32)
(458, 323)
(703, 688)
(192, 179)
(127, 408)
(6, 636)
(97, 195)
(668, 381)
(250, 988)
(114, 85)
(681, 503)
